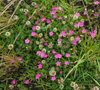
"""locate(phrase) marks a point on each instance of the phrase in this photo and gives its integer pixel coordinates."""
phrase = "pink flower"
(45, 44)
(38, 52)
(26, 12)
(60, 18)
(53, 12)
(54, 16)
(53, 51)
(40, 66)
(96, 2)
(66, 63)
(85, 12)
(77, 14)
(48, 21)
(62, 10)
(63, 33)
(53, 78)
(27, 82)
(60, 72)
(20, 59)
(36, 22)
(83, 31)
(34, 28)
(59, 40)
(38, 62)
(45, 55)
(81, 24)
(93, 35)
(42, 54)
(74, 42)
(67, 55)
(36, 6)
(95, 14)
(51, 33)
(38, 76)
(57, 8)
(53, 8)
(30, 17)
(77, 38)
(33, 34)
(76, 25)
(12, 60)
(59, 55)
(95, 31)
(89, 32)
(58, 63)
(71, 32)
(14, 82)
(27, 40)
(43, 19)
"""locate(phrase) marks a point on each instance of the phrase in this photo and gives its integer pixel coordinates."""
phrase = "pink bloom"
(60, 18)
(48, 21)
(53, 78)
(34, 27)
(77, 14)
(36, 6)
(67, 55)
(54, 16)
(58, 63)
(26, 13)
(27, 40)
(95, 14)
(57, 8)
(27, 82)
(33, 34)
(66, 63)
(59, 55)
(63, 33)
(20, 59)
(40, 66)
(56, 56)
(83, 31)
(45, 55)
(12, 60)
(60, 72)
(43, 19)
(71, 32)
(93, 35)
(59, 40)
(85, 12)
(45, 44)
(38, 76)
(74, 42)
(53, 51)
(96, 2)
(89, 32)
(62, 10)
(77, 38)
(14, 82)
(42, 54)
(95, 31)
(53, 12)
(81, 24)
(38, 62)
(30, 17)
(76, 25)
(51, 33)
(53, 8)
(38, 52)
(36, 22)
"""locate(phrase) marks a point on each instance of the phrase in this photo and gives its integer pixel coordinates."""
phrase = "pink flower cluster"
(63, 33)
(41, 54)
(92, 34)
(58, 63)
(38, 76)
(80, 24)
(58, 56)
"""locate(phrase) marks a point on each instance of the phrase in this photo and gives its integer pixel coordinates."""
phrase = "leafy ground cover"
(50, 45)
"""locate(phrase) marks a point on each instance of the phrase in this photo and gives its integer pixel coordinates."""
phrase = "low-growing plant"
(57, 44)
